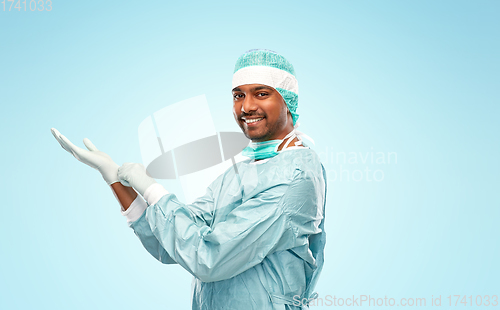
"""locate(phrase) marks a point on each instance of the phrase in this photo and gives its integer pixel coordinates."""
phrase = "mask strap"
(301, 134)
(289, 140)
(291, 135)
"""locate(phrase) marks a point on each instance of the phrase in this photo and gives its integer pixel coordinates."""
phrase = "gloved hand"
(135, 175)
(94, 158)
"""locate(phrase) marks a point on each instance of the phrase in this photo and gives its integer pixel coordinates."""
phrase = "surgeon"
(256, 239)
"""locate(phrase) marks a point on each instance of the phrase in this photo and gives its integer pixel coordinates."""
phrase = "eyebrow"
(255, 88)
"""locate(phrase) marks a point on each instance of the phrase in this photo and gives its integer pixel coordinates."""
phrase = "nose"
(248, 105)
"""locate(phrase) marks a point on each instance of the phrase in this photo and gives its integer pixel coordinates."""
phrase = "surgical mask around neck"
(266, 149)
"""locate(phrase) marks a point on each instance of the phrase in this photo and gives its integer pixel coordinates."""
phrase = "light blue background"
(418, 78)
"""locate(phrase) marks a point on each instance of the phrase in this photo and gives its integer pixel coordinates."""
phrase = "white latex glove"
(135, 175)
(94, 158)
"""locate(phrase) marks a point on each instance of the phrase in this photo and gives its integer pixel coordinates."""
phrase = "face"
(261, 112)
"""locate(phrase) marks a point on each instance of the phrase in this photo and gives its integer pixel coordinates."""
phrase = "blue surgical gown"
(255, 240)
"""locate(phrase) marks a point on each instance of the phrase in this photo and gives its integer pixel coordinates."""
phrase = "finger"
(90, 146)
(66, 146)
(54, 132)
(126, 167)
(121, 172)
(124, 172)
(125, 183)
(57, 135)
(74, 149)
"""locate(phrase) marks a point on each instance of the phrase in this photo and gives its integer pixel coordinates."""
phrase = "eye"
(237, 96)
(262, 94)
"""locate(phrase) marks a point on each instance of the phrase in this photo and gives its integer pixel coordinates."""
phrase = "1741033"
(478, 300)
(27, 5)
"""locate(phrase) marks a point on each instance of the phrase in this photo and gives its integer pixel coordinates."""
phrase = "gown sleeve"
(280, 217)
(143, 231)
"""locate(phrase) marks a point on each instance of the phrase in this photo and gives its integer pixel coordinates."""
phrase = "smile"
(253, 121)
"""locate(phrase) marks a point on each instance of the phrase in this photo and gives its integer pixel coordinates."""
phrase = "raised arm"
(132, 205)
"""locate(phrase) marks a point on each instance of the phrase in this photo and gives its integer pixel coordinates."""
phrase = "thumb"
(90, 146)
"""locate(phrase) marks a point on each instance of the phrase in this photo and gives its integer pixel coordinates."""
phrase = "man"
(255, 240)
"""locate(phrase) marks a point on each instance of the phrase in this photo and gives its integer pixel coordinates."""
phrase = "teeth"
(253, 120)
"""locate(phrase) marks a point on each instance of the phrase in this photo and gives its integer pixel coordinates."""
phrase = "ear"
(289, 115)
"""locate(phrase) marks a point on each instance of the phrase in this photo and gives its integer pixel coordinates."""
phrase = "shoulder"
(305, 161)
(309, 175)
(307, 190)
